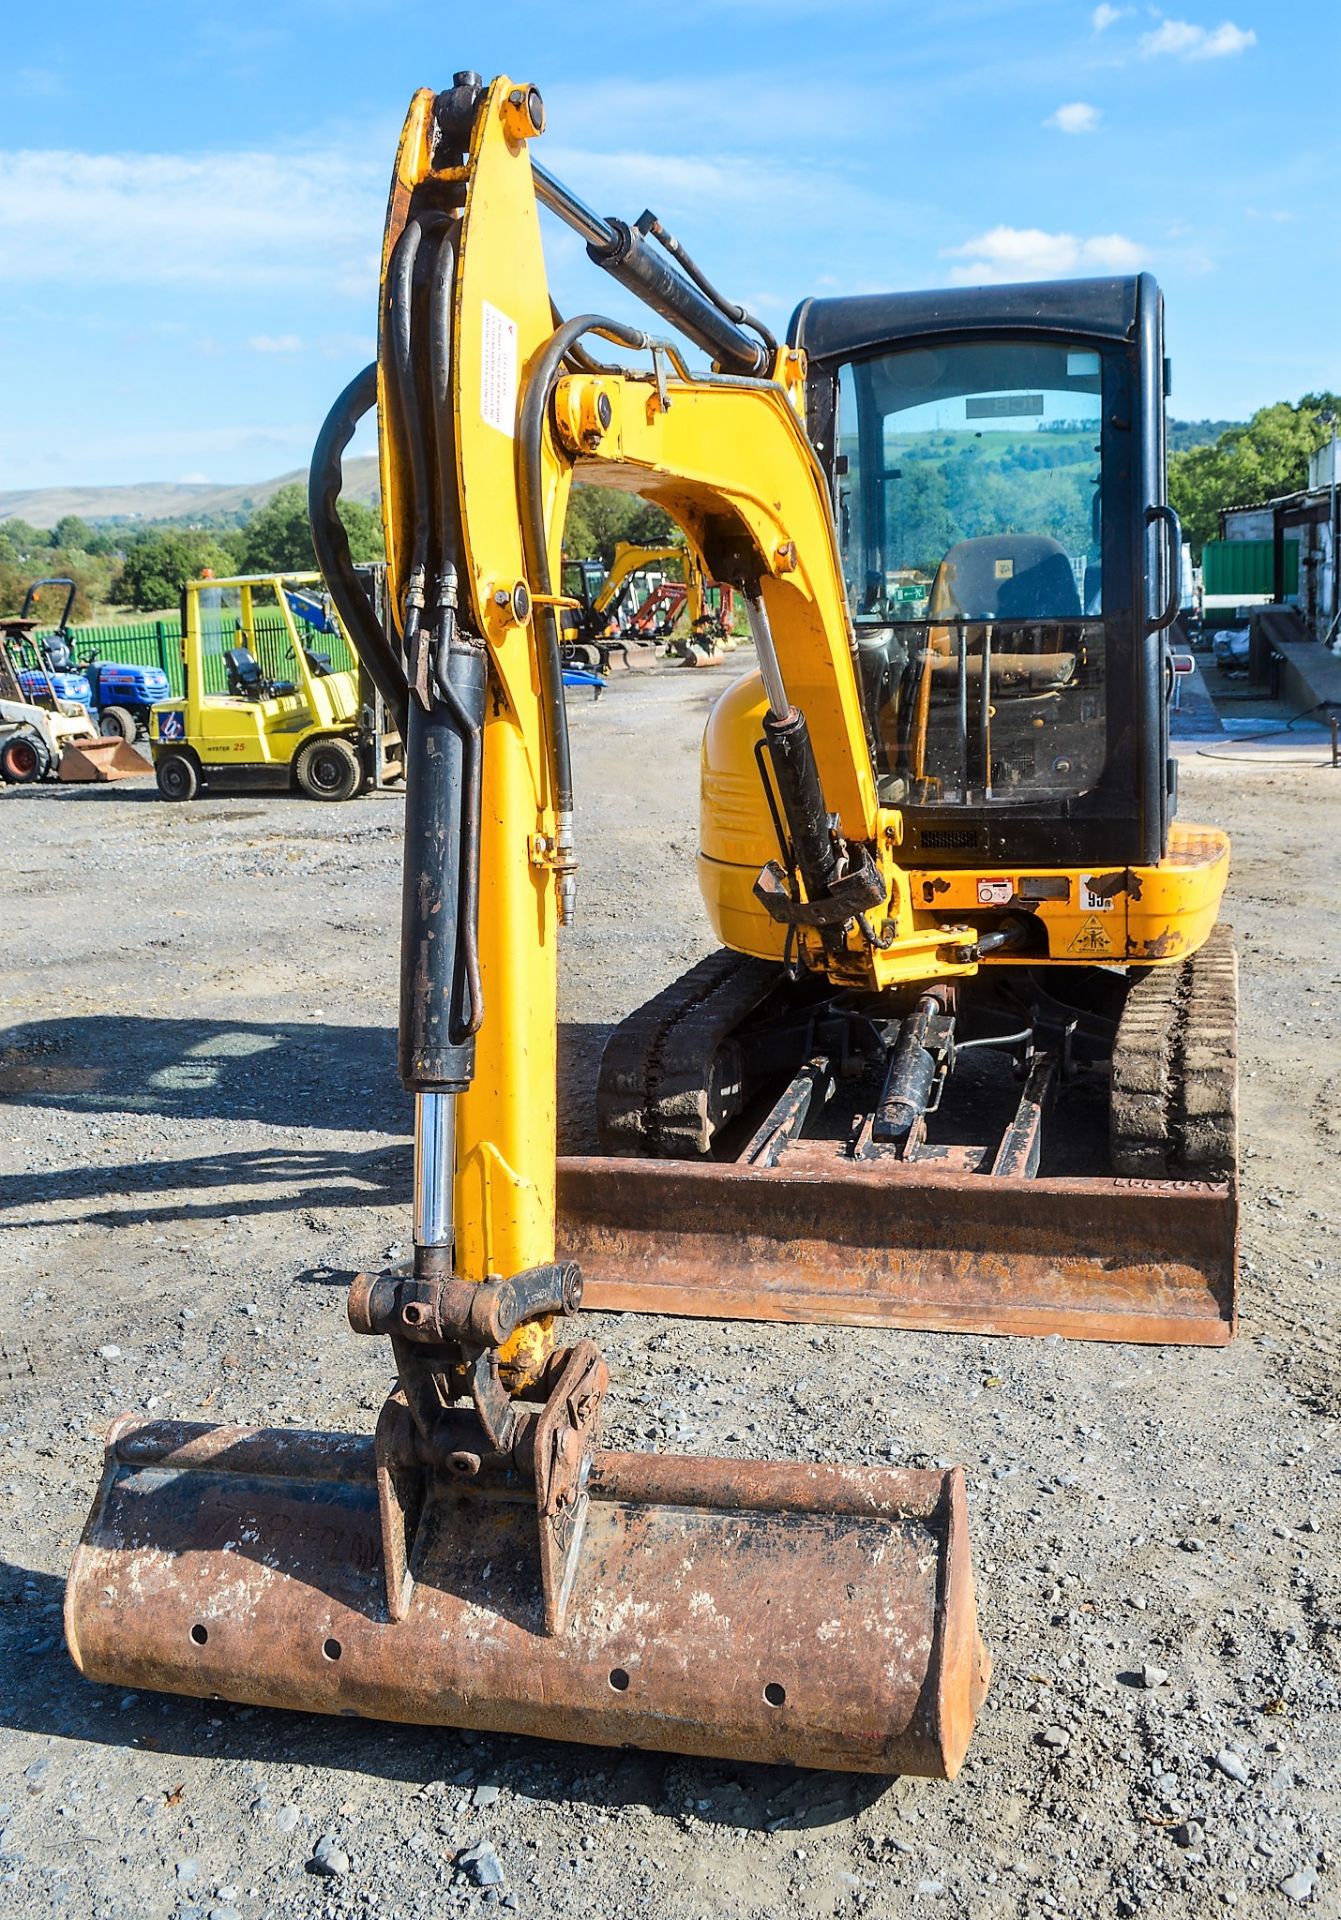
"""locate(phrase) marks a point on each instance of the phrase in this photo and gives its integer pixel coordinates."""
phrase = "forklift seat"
(245, 680)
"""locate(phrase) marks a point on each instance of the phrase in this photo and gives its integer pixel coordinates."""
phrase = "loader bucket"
(820, 1616)
(106, 758)
(905, 1245)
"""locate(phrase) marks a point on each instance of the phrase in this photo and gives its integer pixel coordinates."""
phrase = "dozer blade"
(106, 758)
(816, 1615)
(905, 1245)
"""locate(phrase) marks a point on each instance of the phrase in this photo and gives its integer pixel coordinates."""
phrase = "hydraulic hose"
(576, 356)
(535, 404)
(446, 671)
(404, 387)
(325, 483)
(444, 446)
(648, 225)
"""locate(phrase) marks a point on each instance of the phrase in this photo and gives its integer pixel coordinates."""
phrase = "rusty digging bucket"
(821, 1616)
(108, 757)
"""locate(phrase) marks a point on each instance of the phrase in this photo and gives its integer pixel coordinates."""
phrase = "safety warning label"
(498, 370)
(1094, 937)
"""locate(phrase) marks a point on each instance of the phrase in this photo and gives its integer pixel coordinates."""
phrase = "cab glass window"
(970, 488)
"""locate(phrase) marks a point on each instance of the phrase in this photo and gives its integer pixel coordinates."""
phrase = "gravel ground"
(201, 1132)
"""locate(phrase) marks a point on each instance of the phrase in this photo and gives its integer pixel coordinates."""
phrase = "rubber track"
(657, 1091)
(1174, 1100)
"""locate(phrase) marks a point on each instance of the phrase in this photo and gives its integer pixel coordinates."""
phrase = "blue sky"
(191, 197)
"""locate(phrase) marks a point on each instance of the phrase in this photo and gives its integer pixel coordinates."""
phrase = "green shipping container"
(1246, 567)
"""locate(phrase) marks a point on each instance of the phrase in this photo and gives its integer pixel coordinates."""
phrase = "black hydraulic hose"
(325, 482)
(535, 404)
(649, 224)
(399, 338)
(577, 356)
(472, 738)
(444, 443)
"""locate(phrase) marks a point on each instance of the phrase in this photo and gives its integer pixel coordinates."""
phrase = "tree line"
(1258, 460)
(145, 567)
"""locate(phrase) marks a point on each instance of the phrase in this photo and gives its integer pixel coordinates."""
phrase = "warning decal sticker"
(1094, 937)
(995, 893)
(1094, 902)
(498, 369)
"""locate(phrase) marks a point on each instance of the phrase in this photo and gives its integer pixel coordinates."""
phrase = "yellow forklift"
(262, 706)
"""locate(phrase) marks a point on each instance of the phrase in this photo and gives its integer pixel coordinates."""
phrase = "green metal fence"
(158, 643)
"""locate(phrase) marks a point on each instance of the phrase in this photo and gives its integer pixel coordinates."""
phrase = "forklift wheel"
(114, 721)
(23, 759)
(329, 770)
(178, 777)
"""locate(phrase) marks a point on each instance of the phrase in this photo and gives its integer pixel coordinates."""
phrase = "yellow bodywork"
(722, 457)
(1132, 915)
(223, 730)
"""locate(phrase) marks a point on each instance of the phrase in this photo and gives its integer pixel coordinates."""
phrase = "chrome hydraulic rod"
(434, 1168)
(770, 670)
(574, 212)
(650, 272)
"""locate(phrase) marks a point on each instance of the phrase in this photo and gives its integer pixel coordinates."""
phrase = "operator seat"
(245, 679)
(1005, 576)
(1015, 579)
(57, 654)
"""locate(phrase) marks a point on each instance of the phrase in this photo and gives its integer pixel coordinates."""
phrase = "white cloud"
(1078, 116)
(1004, 254)
(1188, 42)
(1104, 17)
(165, 219)
(275, 343)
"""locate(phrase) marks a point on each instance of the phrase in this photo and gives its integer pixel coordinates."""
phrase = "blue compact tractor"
(119, 695)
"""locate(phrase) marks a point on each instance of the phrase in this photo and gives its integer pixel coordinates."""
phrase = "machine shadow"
(48, 1698)
(299, 1076)
(301, 1178)
(275, 1073)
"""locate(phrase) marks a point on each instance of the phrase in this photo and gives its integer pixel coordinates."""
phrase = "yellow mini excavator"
(937, 844)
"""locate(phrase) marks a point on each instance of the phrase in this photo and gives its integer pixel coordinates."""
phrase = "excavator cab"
(997, 461)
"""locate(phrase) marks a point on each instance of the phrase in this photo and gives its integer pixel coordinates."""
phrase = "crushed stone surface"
(202, 1134)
